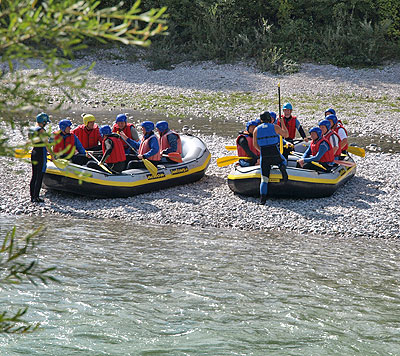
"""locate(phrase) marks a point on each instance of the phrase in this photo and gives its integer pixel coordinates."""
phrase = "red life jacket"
(336, 129)
(88, 138)
(145, 147)
(118, 152)
(240, 151)
(164, 144)
(328, 136)
(328, 156)
(291, 126)
(63, 143)
(127, 131)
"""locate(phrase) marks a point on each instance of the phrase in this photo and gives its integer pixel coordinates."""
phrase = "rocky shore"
(367, 100)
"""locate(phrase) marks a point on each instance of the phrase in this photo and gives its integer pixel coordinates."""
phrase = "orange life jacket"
(145, 147)
(240, 151)
(118, 152)
(64, 142)
(88, 138)
(328, 156)
(291, 126)
(164, 144)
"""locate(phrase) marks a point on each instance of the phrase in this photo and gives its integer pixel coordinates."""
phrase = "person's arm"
(109, 146)
(134, 133)
(245, 145)
(323, 148)
(343, 138)
(154, 148)
(255, 143)
(301, 131)
(283, 131)
(79, 146)
(173, 143)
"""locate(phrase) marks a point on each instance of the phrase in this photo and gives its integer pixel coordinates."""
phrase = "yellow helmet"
(88, 118)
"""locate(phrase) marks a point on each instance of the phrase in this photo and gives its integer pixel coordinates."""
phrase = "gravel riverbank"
(367, 100)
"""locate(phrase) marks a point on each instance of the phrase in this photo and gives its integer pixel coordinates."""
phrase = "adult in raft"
(67, 145)
(319, 151)
(170, 142)
(121, 125)
(38, 156)
(113, 151)
(291, 123)
(266, 141)
(245, 146)
(147, 147)
(88, 133)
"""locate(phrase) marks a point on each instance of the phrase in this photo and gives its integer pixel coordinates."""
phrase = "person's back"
(266, 140)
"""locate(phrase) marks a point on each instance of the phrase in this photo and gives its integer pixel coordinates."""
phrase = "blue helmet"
(330, 111)
(147, 125)
(105, 130)
(162, 126)
(273, 115)
(258, 121)
(251, 123)
(42, 118)
(288, 106)
(64, 123)
(333, 118)
(326, 123)
(121, 118)
(317, 130)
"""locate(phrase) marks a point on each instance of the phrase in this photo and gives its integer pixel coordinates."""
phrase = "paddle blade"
(175, 156)
(231, 148)
(226, 161)
(318, 165)
(150, 167)
(345, 163)
(358, 151)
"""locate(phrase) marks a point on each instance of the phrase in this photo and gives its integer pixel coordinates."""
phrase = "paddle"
(99, 163)
(174, 156)
(226, 161)
(344, 163)
(280, 137)
(318, 165)
(358, 151)
(149, 166)
(231, 148)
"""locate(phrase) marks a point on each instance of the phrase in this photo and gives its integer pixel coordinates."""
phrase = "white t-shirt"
(341, 133)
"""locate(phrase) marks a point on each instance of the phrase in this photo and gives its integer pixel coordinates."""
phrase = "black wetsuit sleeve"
(244, 144)
(301, 132)
(109, 145)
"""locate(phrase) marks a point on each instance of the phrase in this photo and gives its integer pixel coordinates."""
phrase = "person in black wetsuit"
(38, 156)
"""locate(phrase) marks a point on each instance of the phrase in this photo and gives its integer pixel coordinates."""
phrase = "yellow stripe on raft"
(128, 184)
(277, 177)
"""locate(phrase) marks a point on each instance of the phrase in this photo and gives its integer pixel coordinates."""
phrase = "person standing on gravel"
(88, 133)
(266, 140)
(245, 146)
(291, 123)
(121, 125)
(38, 137)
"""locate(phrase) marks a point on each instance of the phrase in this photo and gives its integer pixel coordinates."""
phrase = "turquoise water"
(129, 289)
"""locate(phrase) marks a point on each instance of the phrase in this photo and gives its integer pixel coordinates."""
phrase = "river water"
(128, 289)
